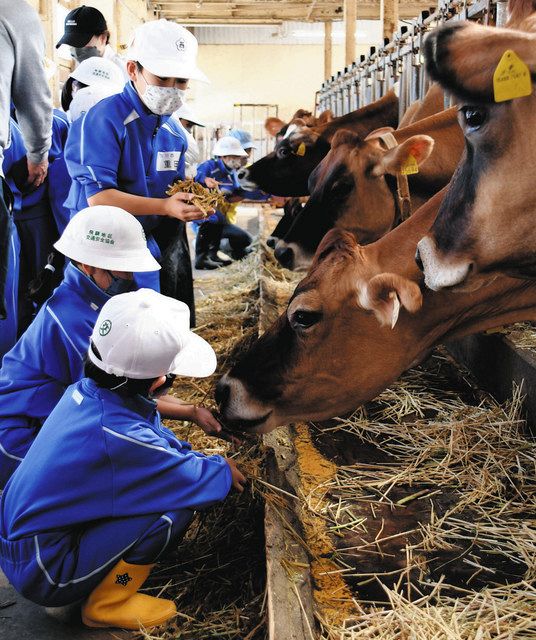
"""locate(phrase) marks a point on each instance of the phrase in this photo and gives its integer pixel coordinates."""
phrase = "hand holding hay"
(205, 199)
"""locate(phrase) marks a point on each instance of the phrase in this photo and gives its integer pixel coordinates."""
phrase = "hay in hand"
(204, 198)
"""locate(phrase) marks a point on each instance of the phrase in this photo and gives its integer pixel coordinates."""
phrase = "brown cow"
(277, 128)
(486, 223)
(327, 354)
(354, 187)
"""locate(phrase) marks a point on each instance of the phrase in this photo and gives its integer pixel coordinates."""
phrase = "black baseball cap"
(81, 25)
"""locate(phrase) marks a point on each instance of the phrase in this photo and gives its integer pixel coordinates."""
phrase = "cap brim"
(170, 68)
(74, 39)
(142, 262)
(196, 358)
(249, 145)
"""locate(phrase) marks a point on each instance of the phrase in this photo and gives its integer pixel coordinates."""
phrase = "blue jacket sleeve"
(150, 476)
(92, 166)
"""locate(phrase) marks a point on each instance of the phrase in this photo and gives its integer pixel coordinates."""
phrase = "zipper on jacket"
(153, 137)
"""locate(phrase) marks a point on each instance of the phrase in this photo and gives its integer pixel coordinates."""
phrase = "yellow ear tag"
(409, 167)
(300, 151)
(511, 78)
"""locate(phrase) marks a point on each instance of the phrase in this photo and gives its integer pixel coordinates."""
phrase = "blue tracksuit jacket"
(228, 183)
(59, 180)
(100, 455)
(48, 357)
(124, 146)
(101, 472)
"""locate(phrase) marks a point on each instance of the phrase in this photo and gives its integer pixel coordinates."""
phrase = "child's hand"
(177, 206)
(239, 480)
(210, 183)
(204, 418)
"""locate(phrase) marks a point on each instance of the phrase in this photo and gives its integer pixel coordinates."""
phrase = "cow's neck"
(382, 113)
(448, 314)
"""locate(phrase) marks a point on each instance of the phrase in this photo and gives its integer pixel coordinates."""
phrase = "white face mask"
(161, 100)
(233, 163)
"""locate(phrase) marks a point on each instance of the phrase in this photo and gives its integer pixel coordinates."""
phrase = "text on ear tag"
(410, 166)
(300, 151)
(511, 78)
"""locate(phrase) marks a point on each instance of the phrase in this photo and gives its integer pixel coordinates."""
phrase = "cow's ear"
(378, 133)
(325, 117)
(345, 136)
(385, 293)
(416, 147)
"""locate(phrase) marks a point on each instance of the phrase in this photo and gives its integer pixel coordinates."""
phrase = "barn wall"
(276, 74)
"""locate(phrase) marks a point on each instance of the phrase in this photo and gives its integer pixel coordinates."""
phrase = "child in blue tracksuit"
(221, 172)
(105, 488)
(36, 212)
(130, 150)
(50, 354)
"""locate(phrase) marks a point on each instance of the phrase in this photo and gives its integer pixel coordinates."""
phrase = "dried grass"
(433, 442)
(217, 574)
(204, 198)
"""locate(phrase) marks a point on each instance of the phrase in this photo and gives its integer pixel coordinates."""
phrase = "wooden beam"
(350, 16)
(328, 29)
(390, 18)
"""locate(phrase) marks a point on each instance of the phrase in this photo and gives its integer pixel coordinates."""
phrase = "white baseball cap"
(97, 70)
(143, 334)
(187, 113)
(88, 97)
(166, 49)
(228, 146)
(108, 238)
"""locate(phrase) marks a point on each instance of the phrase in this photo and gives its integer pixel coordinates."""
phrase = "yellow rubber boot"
(116, 603)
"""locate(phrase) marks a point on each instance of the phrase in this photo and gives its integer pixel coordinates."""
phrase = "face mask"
(119, 285)
(83, 53)
(233, 164)
(161, 100)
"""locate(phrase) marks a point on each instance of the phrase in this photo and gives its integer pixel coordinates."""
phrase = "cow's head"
(486, 222)
(285, 171)
(309, 364)
(291, 210)
(353, 188)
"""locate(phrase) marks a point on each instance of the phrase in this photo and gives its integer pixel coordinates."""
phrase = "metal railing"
(399, 60)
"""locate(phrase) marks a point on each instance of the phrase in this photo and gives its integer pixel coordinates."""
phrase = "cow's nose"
(285, 256)
(242, 174)
(271, 242)
(223, 391)
(418, 260)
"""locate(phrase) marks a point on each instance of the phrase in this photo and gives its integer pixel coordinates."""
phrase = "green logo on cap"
(105, 328)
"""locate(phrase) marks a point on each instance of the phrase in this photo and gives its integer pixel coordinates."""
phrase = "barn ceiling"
(274, 11)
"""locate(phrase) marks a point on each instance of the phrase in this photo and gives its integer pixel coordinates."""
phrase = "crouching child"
(105, 489)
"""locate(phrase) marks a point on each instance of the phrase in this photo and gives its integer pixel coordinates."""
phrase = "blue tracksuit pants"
(58, 568)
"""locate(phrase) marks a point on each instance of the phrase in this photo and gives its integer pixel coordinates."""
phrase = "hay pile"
(434, 527)
(217, 574)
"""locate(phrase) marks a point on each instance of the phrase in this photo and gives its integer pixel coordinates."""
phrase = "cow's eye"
(474, 117)
(304, 319)
(283, 152)
(342, 187)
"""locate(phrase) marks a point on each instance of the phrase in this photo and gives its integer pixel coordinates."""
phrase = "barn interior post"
(328, 47)
(390, 18)
(350, 17)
